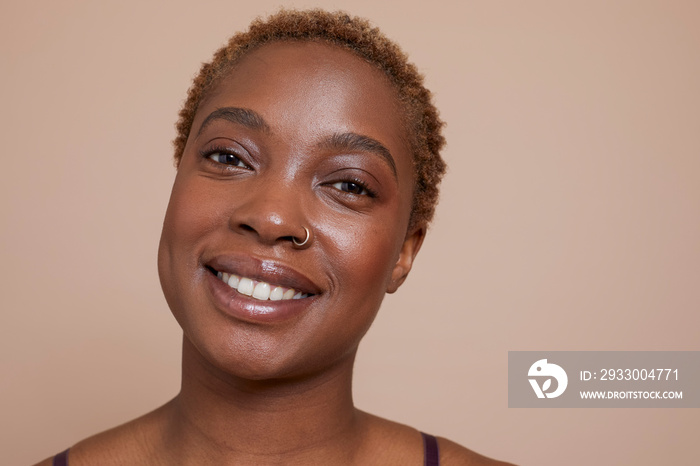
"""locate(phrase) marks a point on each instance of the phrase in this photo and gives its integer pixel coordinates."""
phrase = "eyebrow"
(241, 116)
(358, 142)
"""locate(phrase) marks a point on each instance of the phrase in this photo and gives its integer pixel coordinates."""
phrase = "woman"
(308, 164)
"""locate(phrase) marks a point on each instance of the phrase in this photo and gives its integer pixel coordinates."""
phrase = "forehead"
(306, 89)
(307, 69)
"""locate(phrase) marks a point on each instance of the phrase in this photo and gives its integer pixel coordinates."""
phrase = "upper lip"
(266, 270)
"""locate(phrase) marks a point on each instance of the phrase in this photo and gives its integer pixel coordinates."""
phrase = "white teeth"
(277, 293)
(259, 289)
(245, 286)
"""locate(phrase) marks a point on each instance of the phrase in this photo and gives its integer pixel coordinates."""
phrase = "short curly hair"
(357, 35)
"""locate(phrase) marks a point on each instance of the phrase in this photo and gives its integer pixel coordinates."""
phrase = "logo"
(544, 370)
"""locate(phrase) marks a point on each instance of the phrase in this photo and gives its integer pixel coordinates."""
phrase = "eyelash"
(225, 151)
(367, 191)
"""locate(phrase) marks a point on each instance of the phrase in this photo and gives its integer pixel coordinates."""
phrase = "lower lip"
(253, 310)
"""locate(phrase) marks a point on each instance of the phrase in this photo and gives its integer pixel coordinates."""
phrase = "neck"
(228, 419)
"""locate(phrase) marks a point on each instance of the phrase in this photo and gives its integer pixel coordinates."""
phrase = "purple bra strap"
(61, 459)
(431, 455)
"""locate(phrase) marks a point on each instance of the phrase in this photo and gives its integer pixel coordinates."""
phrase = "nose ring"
(300, 244)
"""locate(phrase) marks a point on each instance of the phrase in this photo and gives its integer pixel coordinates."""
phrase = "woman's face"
(299, 135)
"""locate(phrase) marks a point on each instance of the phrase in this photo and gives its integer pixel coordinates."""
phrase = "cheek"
(188, 218)
(363, 255)
(191, 213)
(362, 260)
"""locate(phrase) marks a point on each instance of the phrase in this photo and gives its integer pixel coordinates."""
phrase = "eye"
(352, 188)
(227, 158)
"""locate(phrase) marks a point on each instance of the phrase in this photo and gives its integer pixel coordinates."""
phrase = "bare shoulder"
(396, 443)
(452, 453)
(129, 443)
(99, 448)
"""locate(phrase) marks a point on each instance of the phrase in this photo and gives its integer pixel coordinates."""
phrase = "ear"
(409, 249)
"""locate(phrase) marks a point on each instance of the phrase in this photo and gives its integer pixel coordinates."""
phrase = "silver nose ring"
(300, 244)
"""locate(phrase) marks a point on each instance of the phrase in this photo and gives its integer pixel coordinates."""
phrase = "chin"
(249, 356)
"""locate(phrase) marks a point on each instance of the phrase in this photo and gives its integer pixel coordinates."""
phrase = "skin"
(278, 391)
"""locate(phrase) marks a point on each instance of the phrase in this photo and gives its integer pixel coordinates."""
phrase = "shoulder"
(130, 443)
(452, 453)
(402, 444)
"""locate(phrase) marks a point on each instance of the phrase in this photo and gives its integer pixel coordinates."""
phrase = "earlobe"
(409, 249)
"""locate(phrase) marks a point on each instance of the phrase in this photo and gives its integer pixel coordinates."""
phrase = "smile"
(260, 290)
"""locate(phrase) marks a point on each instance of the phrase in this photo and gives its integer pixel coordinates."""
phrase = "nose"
(271, 212)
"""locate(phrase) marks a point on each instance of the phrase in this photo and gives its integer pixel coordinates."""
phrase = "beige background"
(569, 218)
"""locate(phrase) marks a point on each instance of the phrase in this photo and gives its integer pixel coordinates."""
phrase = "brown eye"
(227, 159)
(351, 187)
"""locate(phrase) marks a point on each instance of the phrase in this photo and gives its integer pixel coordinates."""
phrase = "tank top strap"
(431, 453)
(61, 459)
